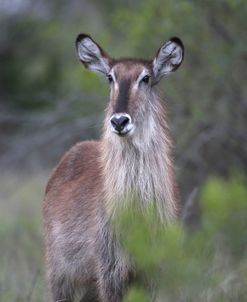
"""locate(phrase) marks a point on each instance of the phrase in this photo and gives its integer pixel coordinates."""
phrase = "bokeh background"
(48, 102)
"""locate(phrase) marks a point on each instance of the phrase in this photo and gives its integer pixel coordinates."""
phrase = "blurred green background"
(48, 102)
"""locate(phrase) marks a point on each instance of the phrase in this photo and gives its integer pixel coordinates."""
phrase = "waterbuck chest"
(145, 175)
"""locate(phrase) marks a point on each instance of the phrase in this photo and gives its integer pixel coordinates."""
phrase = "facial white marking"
(119, 115)
(140, 77)
(112, 73)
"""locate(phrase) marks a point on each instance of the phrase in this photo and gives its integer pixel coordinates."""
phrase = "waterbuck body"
(85, 262)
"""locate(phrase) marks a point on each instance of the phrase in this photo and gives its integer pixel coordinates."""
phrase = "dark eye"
(146, 79)
(110, 78)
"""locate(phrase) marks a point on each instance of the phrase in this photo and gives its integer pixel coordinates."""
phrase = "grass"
(22, 276)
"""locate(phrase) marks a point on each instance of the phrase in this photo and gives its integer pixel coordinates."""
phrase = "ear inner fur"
(169, 57)
(92, 55)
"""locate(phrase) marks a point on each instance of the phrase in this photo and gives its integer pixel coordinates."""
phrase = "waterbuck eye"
(110, 78)
(145, 79)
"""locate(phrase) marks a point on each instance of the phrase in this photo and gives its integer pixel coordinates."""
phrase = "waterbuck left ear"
(168, 58)
(92, 55)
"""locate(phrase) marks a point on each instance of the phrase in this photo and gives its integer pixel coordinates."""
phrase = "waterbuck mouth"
(123, 134)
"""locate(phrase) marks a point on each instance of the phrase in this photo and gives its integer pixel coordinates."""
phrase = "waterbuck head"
(131, 82)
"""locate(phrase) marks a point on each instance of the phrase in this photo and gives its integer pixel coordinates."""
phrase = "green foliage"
(136, 295)
(209, 264)
(22, 257)
(225, 210)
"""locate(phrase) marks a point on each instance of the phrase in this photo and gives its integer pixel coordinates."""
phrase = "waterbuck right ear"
(169, 57)
(92, 55)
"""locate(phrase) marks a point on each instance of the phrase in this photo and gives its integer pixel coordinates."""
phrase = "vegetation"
(22, 259)
(209, 264)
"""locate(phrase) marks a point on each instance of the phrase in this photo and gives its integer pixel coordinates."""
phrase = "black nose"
(119, 122)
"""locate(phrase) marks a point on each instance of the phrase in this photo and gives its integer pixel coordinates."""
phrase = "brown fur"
(84, 260)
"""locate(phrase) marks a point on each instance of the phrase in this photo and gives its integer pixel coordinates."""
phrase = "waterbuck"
(85, 262)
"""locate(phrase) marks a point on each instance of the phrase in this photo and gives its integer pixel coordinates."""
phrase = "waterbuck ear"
(168, 58)
(92, 55)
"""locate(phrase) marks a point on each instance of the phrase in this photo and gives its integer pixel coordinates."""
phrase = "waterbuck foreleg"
(113, 268)
(61, 290)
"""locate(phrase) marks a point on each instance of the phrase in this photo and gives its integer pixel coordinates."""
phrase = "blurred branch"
(191, 210)
(38, 133)
(220, 29)
(33, 284)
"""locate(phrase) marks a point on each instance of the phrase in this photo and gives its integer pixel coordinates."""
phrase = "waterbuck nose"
(119, 122)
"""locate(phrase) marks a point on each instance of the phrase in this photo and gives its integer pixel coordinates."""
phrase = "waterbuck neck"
(141, 165)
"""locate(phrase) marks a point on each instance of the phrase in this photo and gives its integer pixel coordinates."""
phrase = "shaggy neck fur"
(141, 165)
